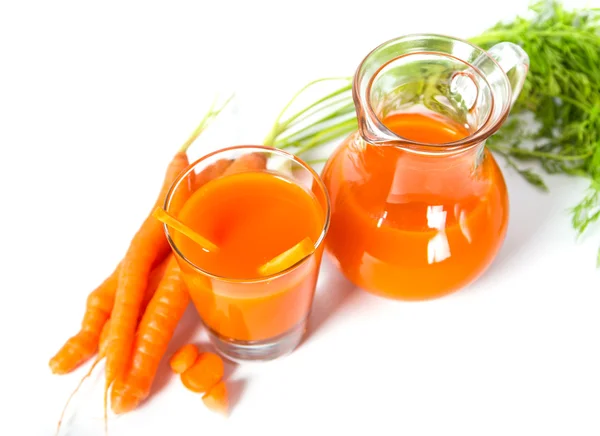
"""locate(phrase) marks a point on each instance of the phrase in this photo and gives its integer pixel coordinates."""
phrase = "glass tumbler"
(258, 317)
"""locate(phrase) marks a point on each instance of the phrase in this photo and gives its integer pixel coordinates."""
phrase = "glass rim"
(480, 135)
(262, 148)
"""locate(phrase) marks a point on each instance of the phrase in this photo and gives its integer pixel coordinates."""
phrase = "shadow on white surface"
(235, 390)
(529, 213)
(333, 291)
(230, 366)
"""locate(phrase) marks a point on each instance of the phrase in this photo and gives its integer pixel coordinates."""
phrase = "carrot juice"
(252, 217)
(412, 225)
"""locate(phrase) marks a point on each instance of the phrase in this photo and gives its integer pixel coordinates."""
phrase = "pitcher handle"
(514, 62)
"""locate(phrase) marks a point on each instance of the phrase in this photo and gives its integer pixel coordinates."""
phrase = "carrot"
(216, 399)
(206, 372)
(154, 281)
(211, 172)
(125, 293)
(103, 340)
(153, 335)
(101, 351)
(247, 162)
(183, 358)
(80, 347)
(146, 247)
(124, 398)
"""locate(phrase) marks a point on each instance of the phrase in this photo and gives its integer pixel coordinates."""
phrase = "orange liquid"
(252, 217)
(413, 226)
(426, 128)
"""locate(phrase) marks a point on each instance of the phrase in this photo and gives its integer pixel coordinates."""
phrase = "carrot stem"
(205, 122)
(169, 220)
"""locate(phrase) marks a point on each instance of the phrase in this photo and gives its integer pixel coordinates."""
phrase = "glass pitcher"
(419, 207)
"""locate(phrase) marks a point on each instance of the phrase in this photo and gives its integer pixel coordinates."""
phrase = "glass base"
(268, 349)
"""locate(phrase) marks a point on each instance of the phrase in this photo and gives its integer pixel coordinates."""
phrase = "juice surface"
(427, 128)
(252, 217)
(414, 226)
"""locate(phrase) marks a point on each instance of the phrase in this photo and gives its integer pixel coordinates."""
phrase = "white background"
(95, 97)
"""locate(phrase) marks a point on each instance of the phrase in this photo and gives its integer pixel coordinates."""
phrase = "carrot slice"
(288, 258)
(183, 358)
(206, 372)
(216, 399)
(164, 217)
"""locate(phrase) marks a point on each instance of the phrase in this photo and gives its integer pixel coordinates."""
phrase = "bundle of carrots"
(130, 318)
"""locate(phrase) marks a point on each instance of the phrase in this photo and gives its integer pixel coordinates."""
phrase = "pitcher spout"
(372, 130)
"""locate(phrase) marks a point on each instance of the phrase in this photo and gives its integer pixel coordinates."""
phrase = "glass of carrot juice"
(265, 214)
